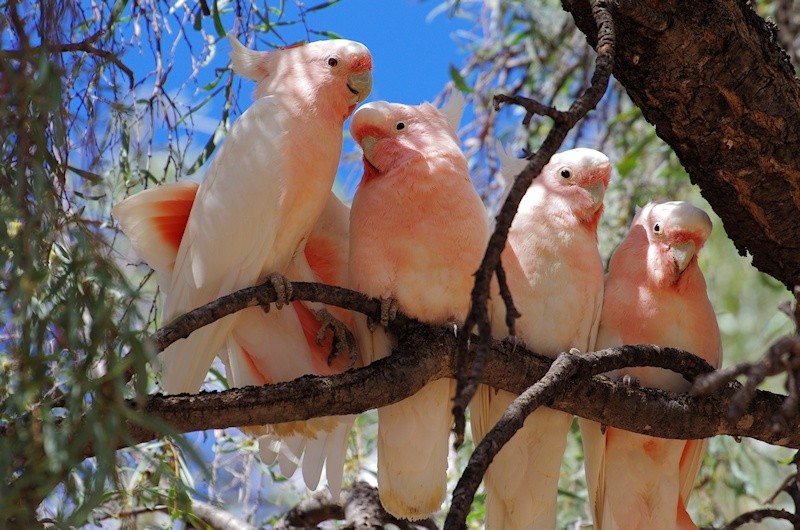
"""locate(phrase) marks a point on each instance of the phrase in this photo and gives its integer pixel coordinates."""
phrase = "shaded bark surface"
(713, 79)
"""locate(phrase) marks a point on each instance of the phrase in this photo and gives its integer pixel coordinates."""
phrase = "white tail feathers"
(453, 110)
(326, 451)
(246, 62)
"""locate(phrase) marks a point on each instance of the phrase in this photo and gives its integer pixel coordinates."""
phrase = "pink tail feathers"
(154, 221)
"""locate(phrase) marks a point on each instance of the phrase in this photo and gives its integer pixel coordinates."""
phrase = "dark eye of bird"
(333, 61)
(400, 126)
(657, 228)
(566, 173)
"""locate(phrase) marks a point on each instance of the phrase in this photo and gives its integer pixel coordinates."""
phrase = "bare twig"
(554, 381)
(790, 486)
(261, 295)
(512, 314)
(360, 508)
(218, 518)
(86, 46)
(783, 356)
(478, 316)
(757, 516)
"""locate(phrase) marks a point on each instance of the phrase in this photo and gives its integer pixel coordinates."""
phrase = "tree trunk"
(722, 93)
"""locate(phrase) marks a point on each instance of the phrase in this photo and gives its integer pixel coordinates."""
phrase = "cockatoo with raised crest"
(250, 220)
(263, 192)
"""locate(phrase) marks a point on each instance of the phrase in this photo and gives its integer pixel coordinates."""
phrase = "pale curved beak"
(367, 144)
(682, 254)
(597, 191)
(360, 85)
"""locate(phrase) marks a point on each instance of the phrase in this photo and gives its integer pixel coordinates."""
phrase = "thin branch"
(86, 46)
(783, 355)
(512, 314)
(478, 315)
(757, 516)
(219, 519)
(360, 508)
(261, 295)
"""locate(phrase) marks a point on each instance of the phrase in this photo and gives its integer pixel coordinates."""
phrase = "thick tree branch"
(468, 380)
(425, 354)
(723, 94)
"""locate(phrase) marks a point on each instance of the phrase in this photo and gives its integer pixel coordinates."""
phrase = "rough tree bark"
(722, 93)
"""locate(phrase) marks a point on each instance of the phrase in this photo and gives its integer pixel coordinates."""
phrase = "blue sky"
(412, 52)
(412, 43)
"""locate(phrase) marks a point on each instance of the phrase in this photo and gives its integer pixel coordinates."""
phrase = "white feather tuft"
(453, 110)
(246, 62)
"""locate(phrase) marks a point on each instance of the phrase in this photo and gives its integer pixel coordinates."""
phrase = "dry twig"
(783, 356)
(478, 317)
(360, 509)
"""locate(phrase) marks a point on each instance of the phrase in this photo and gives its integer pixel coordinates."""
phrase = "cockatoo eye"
(400, 126)
(657, 228)
(333, 61)
(565, 173)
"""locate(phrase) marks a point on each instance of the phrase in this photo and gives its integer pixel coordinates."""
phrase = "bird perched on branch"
(263, 192)
(418, 230)
(282, 345)
(250, 220)
(655, 293)
(555, 275)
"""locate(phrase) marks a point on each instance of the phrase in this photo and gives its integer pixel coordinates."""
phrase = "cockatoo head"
(674, 231)
(579, 178)
(339, 70)
(392, 135)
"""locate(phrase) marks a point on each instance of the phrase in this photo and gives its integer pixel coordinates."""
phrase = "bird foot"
(343, 341)
(283, 289)
(388, 312)
(517, 343)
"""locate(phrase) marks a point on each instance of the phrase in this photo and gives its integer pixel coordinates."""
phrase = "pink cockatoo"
(555, 274)
(654, 294)
(250, 220)
(418, 230)
(262, 193)
(279, 345)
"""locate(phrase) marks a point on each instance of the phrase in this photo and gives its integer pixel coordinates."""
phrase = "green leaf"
(459, 81)
(217, 22)
(323, 5)
(329, 34)
(94, 178)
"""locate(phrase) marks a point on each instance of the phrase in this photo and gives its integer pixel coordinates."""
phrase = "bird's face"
(675, 233)
(393, 134)
(580, 177)
(349, 66)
